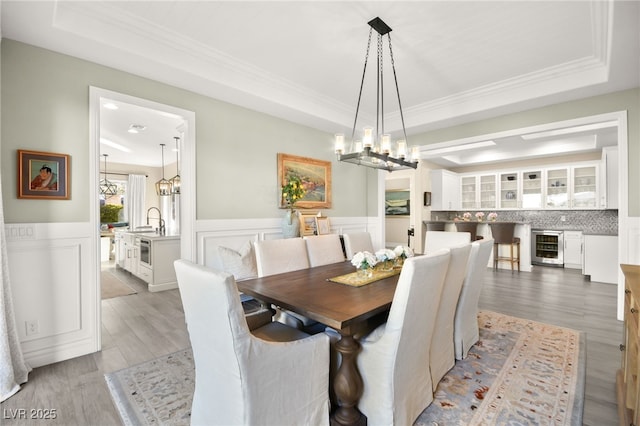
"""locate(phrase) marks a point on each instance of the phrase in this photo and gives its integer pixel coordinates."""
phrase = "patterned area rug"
(520, 373)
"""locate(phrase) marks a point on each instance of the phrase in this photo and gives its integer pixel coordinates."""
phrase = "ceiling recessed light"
(110, 105)
(136, 128)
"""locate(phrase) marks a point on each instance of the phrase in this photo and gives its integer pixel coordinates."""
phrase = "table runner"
(354, 280)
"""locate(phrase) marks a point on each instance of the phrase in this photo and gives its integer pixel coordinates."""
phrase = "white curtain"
(13, 369)
(135, 201)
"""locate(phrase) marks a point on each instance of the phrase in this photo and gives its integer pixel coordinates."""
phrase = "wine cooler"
(547, 248)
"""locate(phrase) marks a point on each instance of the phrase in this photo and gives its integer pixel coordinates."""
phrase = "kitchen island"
(149, 256)
(522, 231)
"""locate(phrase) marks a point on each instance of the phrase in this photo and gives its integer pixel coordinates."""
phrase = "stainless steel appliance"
(145, 252)
(547, 247)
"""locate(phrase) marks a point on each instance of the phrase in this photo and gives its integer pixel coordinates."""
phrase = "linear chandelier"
(375, 150)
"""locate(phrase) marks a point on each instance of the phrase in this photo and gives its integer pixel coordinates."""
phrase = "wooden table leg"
(348, 383)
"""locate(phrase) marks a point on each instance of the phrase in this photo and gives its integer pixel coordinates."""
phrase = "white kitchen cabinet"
(164, 251)
(120, 251)
(478, 192)
(509, 191)
(531, 189)
(601, 258)
(609, 178)
(573, 249)
(445, 190)
(572, 187)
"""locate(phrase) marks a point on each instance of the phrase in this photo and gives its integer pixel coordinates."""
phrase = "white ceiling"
(457, 61)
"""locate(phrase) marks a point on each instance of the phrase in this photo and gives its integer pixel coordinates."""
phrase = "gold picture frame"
(308, 225)
(315, 176)
(43, 175)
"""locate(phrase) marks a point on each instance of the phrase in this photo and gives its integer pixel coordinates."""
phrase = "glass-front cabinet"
(488, 191)
(468, 193)
(508, 190)
(584, 187)
(532, 189)
(557, 189)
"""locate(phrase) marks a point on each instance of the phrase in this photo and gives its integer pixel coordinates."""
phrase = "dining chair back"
(357, 241)
(442, 357)
(397, 386)
(465, 324)
(282, 255)
(324, 249)
(241, 378)
(436, 240)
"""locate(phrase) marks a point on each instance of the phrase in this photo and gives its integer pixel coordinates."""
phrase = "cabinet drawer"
(145, 274)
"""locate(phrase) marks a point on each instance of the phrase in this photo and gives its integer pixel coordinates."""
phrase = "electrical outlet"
(32, 327)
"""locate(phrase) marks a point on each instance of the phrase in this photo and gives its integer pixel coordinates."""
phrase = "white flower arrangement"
(466, 216)
(385, 254)
(403, 251)
(479, 215)
(492, 216)
(364, 260)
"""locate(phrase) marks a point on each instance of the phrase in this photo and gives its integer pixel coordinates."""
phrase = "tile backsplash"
(587, 221)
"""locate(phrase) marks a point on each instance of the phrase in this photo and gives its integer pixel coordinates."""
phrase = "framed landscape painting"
(43, 175)
(315, 176)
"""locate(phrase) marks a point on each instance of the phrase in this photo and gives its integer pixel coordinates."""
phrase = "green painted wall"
(628, 100)
(45, 104)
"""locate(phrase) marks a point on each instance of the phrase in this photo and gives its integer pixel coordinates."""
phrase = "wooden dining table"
(342, 307)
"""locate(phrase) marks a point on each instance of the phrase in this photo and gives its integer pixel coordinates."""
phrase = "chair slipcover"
(393, 360)
(436, 240)
(242, 379)
(442, 357)
(283, 255)
(357, 241)
(324, 249)
(465, 325)
(279, 256)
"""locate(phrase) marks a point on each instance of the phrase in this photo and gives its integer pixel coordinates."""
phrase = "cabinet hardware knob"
(634, 310)
(622, 347)
(627, 291)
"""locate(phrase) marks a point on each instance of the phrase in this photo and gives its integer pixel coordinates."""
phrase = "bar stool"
(470, 227)
(503, 235)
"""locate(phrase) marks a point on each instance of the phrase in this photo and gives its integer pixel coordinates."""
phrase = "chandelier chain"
(395, 78)
(364, 71)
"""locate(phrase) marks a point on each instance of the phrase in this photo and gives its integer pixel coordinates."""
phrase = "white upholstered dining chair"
(277, 257)
(357, 241)
(442, 357)
(465, 324)
(436, 240)
(241, 379)
(324, 249)
(393, 360)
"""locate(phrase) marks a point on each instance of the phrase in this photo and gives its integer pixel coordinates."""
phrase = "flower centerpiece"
(479, 216)
(364, 261)
(466, 216)
(402, 252)
(492, 216)
(386, 259)
(292, 192)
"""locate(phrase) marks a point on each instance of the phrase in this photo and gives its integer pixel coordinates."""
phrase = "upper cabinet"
(570, 186)
(445, 190)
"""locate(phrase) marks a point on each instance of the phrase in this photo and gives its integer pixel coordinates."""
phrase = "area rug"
(520, 373)
(111, 286)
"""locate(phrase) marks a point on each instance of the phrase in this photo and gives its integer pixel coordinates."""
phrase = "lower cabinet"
(162, 275)
(573, 246)
(601, 258)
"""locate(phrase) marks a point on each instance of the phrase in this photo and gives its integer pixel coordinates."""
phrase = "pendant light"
(107, 188)
(163, 186)
(175, 181)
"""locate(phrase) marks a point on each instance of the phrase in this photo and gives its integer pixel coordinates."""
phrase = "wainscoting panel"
(54, 288)
(234, 233)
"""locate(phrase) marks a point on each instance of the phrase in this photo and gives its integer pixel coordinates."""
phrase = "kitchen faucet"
(160, 220)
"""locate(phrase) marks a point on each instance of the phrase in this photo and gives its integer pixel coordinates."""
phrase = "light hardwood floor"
(143, 326)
